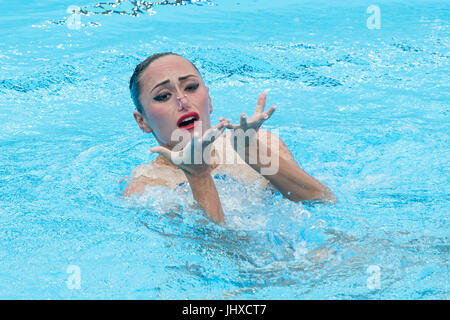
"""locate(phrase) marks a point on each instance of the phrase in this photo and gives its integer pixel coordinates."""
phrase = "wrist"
(205, 193)
(253, 147)
(199, 175)
(243, 140)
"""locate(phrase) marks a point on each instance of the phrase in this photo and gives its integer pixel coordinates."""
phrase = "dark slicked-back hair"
(134, 81)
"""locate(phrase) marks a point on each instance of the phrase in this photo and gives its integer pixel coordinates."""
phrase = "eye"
(191, 87)
(162, 97)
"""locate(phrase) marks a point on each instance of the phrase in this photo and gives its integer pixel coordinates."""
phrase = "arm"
(202, 186)
(271, 153)
(293, 182)
(198, 174)
(205, 193)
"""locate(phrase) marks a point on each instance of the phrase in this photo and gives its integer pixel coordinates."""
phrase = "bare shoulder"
(137, 185)
(159, 172)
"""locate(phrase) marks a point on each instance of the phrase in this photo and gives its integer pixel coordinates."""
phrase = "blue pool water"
(365, 111)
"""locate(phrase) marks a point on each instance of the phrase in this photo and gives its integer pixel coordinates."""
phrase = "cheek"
(156, 113)
(160, 120)
(205, 112)
(159, 112)
(204, 102)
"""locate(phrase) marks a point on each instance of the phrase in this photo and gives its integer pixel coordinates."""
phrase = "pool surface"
(363, 104)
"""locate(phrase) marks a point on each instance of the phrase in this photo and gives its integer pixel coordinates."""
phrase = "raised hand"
(257, 119)
(191, 158)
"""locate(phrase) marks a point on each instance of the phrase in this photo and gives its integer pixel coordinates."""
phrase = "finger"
(243, 121)
(224, 119)
(166, 153)
(221, 129)
(261, 102)
(212, 134)
(216, 131)
(228, 124)
(232, 126)
(221, 124)
(270, 112)
(194, 147)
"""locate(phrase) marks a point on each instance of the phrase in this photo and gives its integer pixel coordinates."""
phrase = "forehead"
(165, 68)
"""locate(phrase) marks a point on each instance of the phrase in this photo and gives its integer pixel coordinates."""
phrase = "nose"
(182, 102)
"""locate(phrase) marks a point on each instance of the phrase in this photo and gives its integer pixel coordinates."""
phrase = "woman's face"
(173, 96)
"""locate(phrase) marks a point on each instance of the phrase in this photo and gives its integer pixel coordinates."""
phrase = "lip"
(187, 115)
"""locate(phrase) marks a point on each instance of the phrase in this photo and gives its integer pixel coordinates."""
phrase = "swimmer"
(171, 97)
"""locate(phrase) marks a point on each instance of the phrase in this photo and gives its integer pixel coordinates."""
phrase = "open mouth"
(188, 121)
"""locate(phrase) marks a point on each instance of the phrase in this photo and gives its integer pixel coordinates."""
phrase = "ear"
(209, 99)
(142, 123)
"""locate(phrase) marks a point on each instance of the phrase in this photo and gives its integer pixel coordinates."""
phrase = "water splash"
(126, 8)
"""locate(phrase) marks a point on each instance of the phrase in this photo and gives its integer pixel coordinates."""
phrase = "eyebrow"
(168, 81)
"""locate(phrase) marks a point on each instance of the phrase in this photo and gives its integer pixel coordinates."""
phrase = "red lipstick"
(188, 120)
